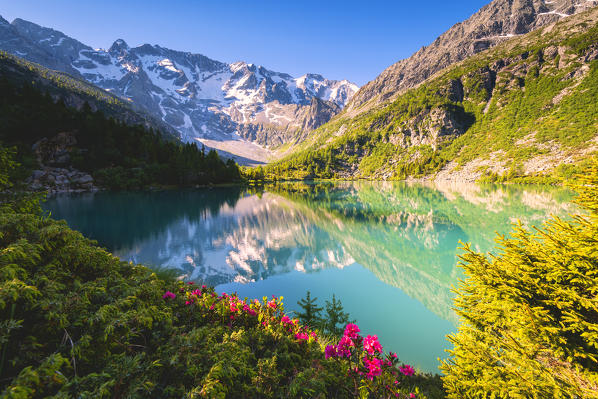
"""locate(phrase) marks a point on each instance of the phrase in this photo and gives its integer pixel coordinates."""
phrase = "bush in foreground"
(530, 313)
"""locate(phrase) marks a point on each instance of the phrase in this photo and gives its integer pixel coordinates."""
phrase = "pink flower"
(393, 355)
(374, 367)
(313, 335)
(196, 293)
(203, 287)
(301, 336)
(169, 295)
(351, 331)
(371, 344)
(407, 370)
(272, 304)
(412, 395)
(330, 351)
(343, 347)
(190, 283)
(285, 319)
(211, 307)
(233, 307)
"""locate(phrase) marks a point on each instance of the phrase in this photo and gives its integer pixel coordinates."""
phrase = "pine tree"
(336, 318)
(311, 311)
(529, 314)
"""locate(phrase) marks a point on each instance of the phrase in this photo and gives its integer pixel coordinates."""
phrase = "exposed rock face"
(201, 98)
(491, 25)
(304, 120)
(55, 174)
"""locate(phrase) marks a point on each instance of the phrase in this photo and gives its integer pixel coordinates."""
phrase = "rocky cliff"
(491, 25)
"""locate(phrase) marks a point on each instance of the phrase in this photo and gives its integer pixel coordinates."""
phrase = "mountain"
(226, 106)
(524, 109)
(491, 25)
(75, 92)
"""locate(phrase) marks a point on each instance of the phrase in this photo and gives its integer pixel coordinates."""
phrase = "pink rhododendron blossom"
(301, 336)
(371, 344)
(272, 304)
(330, 351)
(411, 395)
(190, 283)
(407, 370)
(374, 367)
(285, 319)
(351, 331)
(169, 295)
(343, 347)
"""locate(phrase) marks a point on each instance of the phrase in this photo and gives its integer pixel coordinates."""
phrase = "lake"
(388, 251)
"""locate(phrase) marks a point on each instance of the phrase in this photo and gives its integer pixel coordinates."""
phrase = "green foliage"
(529, 317)
(332, 322)
(310, 315)
(336, 318)
(12, 198)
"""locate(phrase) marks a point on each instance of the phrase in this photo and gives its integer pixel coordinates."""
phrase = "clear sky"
(353, 40)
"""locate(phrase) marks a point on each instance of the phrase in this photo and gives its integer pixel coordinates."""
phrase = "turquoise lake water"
(388, 251)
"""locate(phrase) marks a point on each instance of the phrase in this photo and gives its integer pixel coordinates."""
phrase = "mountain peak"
(494, 23)
(19, 22)
(119, 46)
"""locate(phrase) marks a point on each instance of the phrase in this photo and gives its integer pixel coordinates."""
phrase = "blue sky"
(338, 39)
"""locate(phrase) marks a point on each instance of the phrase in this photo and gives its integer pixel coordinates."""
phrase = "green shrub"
(529, 313)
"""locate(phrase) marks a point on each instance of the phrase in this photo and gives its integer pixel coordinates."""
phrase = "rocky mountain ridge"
(525, 109)
(493, 24)
(202, 99)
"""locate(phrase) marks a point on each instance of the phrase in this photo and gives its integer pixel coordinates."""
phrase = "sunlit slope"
(525, 107)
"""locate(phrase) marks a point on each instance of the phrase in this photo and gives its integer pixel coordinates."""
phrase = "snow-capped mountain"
(240, 108)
